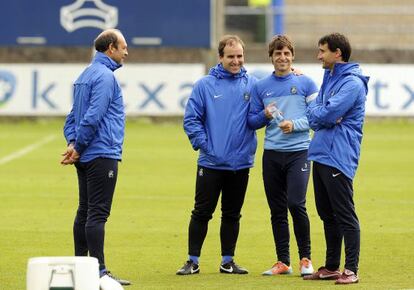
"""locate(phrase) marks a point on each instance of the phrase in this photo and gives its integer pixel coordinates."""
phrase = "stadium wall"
(256, 53)
(156, 89)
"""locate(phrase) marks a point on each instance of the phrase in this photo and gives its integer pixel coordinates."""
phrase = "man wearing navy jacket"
(215, 121)
(337, 117)
(94, 131)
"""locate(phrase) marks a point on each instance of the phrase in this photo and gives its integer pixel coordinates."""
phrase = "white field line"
(26, 150)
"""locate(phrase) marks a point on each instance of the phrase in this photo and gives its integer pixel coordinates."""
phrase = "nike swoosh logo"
(336, 174)
(269, 94)
(323, 276)
(217, 96)
(230, 270)
(194, 271)
(304, 169)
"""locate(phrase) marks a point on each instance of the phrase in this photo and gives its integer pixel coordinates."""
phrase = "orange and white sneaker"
(305, 267)
(279, 268)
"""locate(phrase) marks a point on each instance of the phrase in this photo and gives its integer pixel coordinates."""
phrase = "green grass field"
(146, 235)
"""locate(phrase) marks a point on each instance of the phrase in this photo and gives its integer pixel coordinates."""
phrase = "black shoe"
(119, 280)
(232, 268)
(189, 268)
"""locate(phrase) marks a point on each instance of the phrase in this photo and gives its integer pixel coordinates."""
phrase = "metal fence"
(369, 24)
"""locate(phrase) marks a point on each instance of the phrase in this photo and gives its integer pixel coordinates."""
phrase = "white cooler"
(63, 273)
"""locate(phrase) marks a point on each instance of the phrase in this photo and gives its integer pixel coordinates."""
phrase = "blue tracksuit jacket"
(291, 94)
(96, 122)
(337, 117)
(215, 120)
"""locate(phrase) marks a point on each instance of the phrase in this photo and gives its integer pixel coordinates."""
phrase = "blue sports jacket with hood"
(96, 122)
(215, 120)
(337, 117)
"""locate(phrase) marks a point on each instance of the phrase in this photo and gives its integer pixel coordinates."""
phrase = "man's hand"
(296, 71)
(286, 126)
(70, 156)
(269, 110)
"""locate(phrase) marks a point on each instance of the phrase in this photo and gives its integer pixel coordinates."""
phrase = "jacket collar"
(343, 68)
(282, 78)
(219, 72)
(106, 60)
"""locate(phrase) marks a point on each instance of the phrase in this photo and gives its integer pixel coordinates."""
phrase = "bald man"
(94, 132)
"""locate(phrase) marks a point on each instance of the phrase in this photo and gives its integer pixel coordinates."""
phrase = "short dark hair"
(279, 42)
(104, 39)
(335, 41)
(228, 40)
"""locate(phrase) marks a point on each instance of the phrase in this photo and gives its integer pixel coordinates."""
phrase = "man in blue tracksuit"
(215, 121)
(94, 132)
(285, 159)
(337, 117)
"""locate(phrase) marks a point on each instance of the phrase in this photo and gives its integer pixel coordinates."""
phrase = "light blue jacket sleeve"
(101, 96)
(194, 118)
(256, 118)
(325, 115)
(302, 124)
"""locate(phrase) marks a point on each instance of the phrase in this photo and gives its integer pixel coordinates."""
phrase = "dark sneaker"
(347, 277)
(323, 274)
(119, 280)
(232, 268)
(189, 268)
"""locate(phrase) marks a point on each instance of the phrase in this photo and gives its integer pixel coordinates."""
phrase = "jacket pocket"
(344, 147)
(212, 156)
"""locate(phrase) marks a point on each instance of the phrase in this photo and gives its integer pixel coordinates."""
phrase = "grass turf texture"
(146, 240)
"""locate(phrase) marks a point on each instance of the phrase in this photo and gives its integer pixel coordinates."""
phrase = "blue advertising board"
(169, 23)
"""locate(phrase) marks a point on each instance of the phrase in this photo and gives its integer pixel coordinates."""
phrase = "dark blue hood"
(219, 72)
(106, 60)
(349, 68)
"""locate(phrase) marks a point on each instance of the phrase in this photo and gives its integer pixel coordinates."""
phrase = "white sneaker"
(305, 267)
(107, 283)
